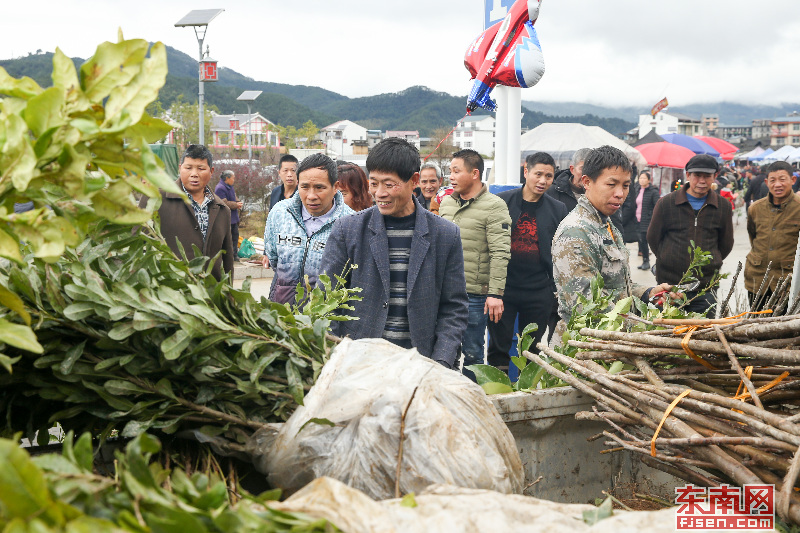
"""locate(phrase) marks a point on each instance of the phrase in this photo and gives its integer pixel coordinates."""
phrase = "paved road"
(741, 246)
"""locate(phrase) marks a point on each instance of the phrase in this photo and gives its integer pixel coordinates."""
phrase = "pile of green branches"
(134, 338)
(51, 493)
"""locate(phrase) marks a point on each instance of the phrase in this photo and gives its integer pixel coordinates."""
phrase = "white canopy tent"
(794, 157)
(561, 140)
(779, 155)
(752, 153)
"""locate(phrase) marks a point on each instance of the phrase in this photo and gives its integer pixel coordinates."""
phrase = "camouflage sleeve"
(575, 263)
(639, 290)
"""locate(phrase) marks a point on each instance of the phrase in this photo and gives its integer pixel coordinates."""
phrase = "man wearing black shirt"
(530, 291)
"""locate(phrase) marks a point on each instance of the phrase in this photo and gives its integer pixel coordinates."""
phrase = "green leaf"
(72, 355)
(79, 311)
(320, 421)
(495, 388)
(121, 331)
(122, 387)
(519, 361)
(489, 374)
(173, 346)
(23, 490)
(408, 501)
(295, 382)
(84, 455)
(525, 339)
(14, 302)
(604, 510)
(164, 387)
(7, 362)
(19, 336)
(44, 111)
(526, 377)
(616, 367)
(9, 246)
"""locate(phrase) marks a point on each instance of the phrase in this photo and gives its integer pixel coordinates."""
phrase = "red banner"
(659, 106)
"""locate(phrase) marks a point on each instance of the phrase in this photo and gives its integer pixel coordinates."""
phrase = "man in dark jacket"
(756, 190)
(287, 172)
(693, 213)
(645, 198)
(204, 220)
(224, 190)
(566, 185)
(530, 290)
(410, 262)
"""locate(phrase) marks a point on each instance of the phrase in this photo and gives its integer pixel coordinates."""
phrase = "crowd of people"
(440, 265)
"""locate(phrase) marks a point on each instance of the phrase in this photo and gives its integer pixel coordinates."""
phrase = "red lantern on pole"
(208, 69)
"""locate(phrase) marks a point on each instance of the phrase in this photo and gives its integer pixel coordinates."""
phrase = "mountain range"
(415, 108)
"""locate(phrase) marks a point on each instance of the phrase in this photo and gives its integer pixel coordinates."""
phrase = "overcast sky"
(610, 52)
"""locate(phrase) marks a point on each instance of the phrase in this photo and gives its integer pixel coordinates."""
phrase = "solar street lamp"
(199, 19)
(248, 97)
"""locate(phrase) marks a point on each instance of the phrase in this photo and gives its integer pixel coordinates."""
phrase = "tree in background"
(442, 155)
(253, 185)
(186, 115)
(302, 137)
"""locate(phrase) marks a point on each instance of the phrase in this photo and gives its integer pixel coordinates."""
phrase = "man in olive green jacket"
(773, 224)
(486, 239)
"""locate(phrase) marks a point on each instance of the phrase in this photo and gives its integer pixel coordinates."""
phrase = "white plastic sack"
(453, 433)
(442, 508)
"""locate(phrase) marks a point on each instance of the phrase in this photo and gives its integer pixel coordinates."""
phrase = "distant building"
(665, 122)
(710, 123)
(734, 132)
(339, 136)
(373, 138)
(785, 131)
(476, 132)
(761, 128)
(410, 136)
(234, 131)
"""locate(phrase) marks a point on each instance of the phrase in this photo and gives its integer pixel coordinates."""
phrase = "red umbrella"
(665, 154)
(725, 149)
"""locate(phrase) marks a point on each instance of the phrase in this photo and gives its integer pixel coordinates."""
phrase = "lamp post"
(199, 19)
(248, 97)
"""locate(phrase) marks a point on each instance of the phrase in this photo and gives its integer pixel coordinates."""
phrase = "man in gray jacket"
(410, 262)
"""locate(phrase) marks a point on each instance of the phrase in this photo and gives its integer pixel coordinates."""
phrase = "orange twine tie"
(664, 419)
(688, 330)
(764, 388)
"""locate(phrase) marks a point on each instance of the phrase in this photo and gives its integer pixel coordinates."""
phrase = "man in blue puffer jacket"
(298, 227)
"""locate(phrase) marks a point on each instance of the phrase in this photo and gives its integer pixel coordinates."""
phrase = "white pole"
(514, 113)
(201, 93)
(795, 275)
(501, 169)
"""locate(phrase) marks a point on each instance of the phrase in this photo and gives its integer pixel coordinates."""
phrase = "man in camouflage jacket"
(586, 243)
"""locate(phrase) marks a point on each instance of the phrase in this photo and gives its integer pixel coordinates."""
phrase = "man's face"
(608, 192)
(538, 179)
(231, 179)
(316, 191)
(393, 196)
(699, 183)
(577, 174)
(288, 174)
(428, 182)
(780, 184)
(462, 179)
(195, 175)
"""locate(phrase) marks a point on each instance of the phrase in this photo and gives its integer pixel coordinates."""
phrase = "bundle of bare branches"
(719, 404)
